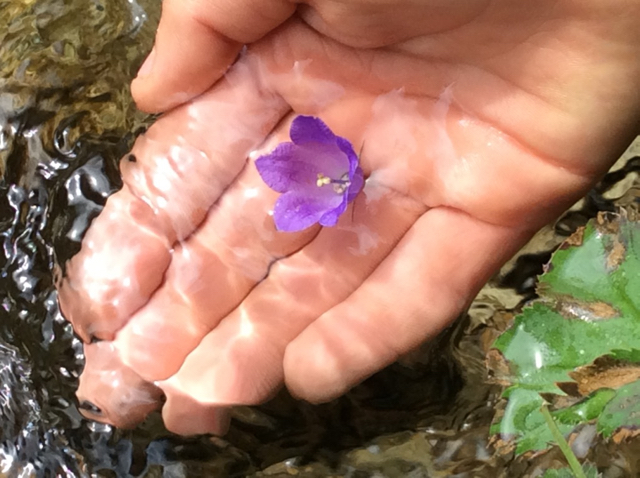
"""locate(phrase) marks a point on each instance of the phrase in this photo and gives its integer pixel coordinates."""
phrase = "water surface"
(66, 118)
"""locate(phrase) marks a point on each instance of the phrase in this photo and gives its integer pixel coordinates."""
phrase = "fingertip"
(147, 65)
(185, 415)
(188, 57)
(312, 371)
(110, 392)
(177, 71)
(195, 44)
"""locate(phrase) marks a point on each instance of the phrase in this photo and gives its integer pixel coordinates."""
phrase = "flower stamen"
(296, 170)
(339, 185)
(323, 180)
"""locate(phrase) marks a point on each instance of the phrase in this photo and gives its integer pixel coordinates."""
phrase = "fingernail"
(147, 66)
(89, 407)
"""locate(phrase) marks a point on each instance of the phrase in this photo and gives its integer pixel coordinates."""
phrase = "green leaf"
(603, 270)
(523, 421)
(622, 411)
(586, 410)
(589, 308)
(543, 346)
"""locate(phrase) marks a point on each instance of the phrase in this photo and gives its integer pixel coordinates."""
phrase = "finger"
(196, 42)
(211, 272)
(240, 361)
(146, 340)
(112, 393)
(109, 392)
(177, 170)
(184, 415)
(122, 257)
(447, 154)
(419, 289)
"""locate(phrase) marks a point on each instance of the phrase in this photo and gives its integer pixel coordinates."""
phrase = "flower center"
(339, 185)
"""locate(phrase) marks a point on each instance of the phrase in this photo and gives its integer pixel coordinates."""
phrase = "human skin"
(479, 122)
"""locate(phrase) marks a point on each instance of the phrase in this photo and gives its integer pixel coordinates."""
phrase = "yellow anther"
(322, 180)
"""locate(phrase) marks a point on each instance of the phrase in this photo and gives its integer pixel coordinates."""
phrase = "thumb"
(196, 42)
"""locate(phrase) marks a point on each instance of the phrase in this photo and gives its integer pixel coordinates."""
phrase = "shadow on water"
(66, 118)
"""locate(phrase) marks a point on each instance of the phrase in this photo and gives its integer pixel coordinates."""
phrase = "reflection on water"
(65, 120)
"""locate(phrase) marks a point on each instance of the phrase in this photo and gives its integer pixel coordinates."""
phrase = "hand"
(478, 124)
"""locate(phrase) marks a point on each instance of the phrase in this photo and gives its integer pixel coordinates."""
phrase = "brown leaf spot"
(607, 223)
(498, 367)
(570, 388)
(574, 239)
(558, 402)
(502, 446)
(587, 311)
(604, 372)
(623, 434)
(616, 254)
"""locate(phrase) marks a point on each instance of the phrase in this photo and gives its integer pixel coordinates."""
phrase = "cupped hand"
(477, 124)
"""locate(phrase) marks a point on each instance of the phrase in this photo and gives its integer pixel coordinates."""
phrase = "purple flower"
(318, 174)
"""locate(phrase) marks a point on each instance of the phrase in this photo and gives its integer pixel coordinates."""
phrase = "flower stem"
(574, 464)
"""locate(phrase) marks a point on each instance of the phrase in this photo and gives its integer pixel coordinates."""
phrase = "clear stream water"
(66, 118)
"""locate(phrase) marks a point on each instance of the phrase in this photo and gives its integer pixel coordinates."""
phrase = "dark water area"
(66, 118)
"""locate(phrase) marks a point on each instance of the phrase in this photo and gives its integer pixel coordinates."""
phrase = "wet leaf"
(581, 338)
(601, 277)
(523, 421)
(621, 416)
(604, 372)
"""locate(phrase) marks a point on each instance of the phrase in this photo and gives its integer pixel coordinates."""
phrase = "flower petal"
(330, 218)
(294, 211)
(308, 129)
(357, 182)
(347, 148)
(330, 160)
(309, 172)
(282, 171)
(291, 166)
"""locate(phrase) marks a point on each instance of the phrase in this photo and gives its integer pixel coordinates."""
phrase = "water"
(66, 119)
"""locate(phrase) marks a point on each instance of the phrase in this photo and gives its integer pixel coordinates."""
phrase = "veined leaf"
(589, 310)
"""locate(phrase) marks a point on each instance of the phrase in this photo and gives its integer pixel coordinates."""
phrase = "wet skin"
(480, 123)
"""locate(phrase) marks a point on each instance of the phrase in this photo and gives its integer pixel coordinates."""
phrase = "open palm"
(476, 126)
